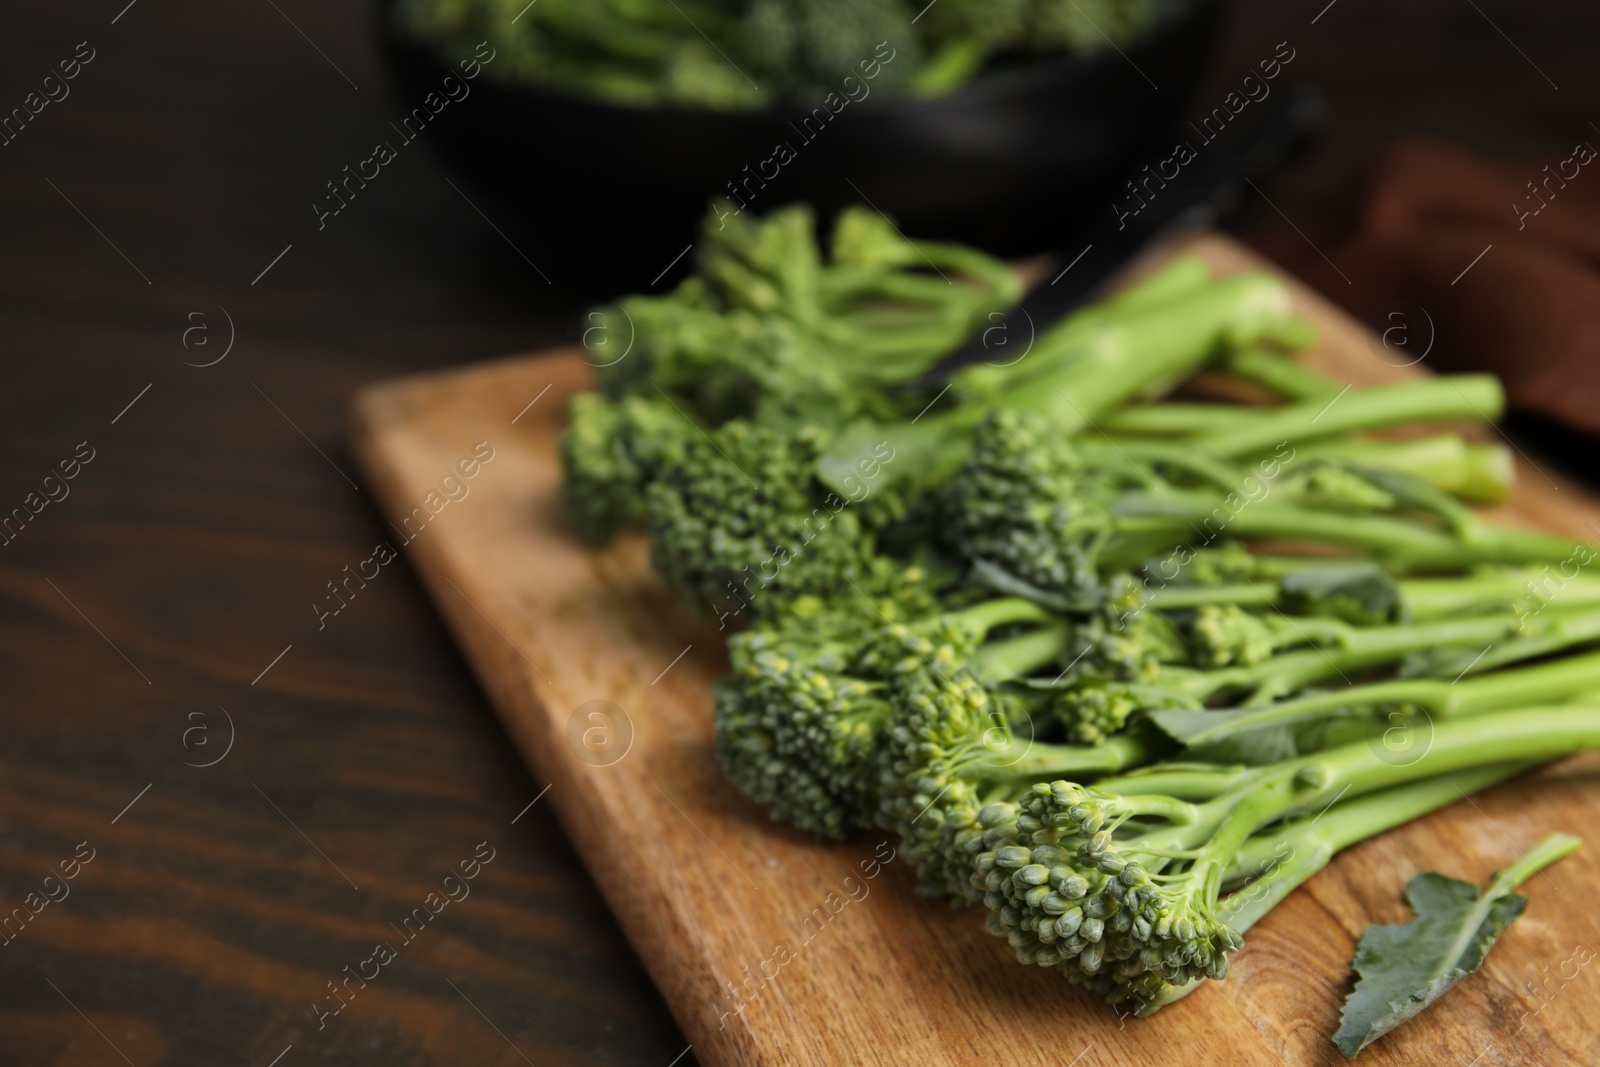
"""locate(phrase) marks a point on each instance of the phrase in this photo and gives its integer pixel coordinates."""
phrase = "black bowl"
(1012, 162)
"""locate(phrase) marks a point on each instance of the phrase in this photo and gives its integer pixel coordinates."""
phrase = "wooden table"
(166, 602)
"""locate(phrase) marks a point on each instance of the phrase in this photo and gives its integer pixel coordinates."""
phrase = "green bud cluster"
(1223, 635)
(611, 448)
(943, 730)
(738, 520)
(1092, 713)
(1018, 506)
(1069, 892)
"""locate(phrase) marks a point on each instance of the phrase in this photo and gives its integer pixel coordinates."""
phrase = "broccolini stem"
(1362, 647)
(1286, 377)
(1541, 635)
(992, 613)
(1000, 278)
(1476, 473)
(1163, 325)
(1537, 684)
(1220, 473)
(1352, 821)
(1426, 597)
(1148, 523)
(1459, 397)
(1525, 733)
(1487, 476)
(1178, 275)
(1123, 357)
(1029, 761)
(1286, 857)
(1176, 418)
(1307, 784)
(1532, 862)
(1189, 781)
(1167, 324)
(1243, 594)
(1422, 598)
(1000, 661)
(1420, 636)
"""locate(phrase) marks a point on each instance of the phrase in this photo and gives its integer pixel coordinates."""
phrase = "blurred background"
(190, 302)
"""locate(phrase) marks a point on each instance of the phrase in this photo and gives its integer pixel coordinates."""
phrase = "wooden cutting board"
(773, 948)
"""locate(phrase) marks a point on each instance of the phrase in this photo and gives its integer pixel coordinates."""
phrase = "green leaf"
(1360, 593)
(1406, 967)
(1208, 734)
(1186, 724)
(923, 454)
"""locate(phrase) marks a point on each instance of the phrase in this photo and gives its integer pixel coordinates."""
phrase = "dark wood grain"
(205, 527)
(196, 542)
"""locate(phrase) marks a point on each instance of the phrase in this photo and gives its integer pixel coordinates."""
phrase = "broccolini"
(1122, 669)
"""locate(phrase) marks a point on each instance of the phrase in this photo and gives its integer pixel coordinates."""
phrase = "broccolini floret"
(1023, 506)
(799, 717)
(959, 739)
(1122, 891)
(765, 327)
(740, 521)
(609, 451)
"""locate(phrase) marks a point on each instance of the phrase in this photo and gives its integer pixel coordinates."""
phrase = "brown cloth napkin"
(1505, 261)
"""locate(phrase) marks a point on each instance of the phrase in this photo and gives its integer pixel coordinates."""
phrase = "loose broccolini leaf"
(1406, 967)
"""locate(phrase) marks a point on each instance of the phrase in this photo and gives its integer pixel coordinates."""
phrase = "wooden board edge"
(532, 724)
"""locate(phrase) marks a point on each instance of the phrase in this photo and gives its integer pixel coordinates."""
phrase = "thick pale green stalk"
(1452, 398)
(1527, 733)
(1426, 597)
(1363, 647)
(1172, 292)
(1281, 374)
(1029, 761)
(1178, 275)
(1150, 523)
(1073, 372)
(1172, 338)
(1420, 598)
(1477, 473)
(1538, 684)
(991, 613)
(1176, 418)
